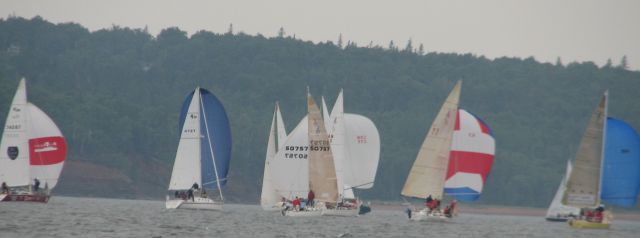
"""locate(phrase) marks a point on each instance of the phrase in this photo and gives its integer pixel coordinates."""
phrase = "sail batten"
(427, 175)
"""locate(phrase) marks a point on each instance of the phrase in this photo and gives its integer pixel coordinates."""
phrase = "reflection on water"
(91, 217)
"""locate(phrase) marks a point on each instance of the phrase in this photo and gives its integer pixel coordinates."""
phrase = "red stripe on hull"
(469, 162)
(47, 150)
(26, 198)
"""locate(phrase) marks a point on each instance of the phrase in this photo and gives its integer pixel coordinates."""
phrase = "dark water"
(91, 217)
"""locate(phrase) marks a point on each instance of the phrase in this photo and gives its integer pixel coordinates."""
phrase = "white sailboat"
(269, 199)
(585, 180)
(321, 168)
(557, 211)
(33, 148)
(427, 175)
(204, 151)
(355, 145)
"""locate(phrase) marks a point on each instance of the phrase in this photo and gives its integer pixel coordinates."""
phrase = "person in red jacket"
(296, 204)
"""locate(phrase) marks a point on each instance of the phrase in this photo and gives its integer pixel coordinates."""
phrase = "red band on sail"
(47, 150)
(470, 162)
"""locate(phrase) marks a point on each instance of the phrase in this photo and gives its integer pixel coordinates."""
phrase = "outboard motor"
(408, 211)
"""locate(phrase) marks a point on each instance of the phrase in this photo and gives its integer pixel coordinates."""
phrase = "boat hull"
(41, 198)
(340, 212)
(195, 204)
(556, 219)
(583, 224)
(303, 213)
(425, 215)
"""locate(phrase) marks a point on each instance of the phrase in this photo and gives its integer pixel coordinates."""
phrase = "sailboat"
(321, 168)
(428, 173)
(33, 149)
(557, 211)
(355, 145)
(203, 155)
(584, 183)
(269, 199)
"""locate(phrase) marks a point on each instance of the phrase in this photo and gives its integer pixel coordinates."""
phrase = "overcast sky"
(574, 30)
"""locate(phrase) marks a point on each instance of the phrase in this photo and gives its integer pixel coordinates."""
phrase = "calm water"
(90, 217)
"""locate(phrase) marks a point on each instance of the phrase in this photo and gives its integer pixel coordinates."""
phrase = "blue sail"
(621, 167)
(215, 128)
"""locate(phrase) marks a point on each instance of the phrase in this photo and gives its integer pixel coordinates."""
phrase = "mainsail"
(428, 172)
(621, 170)
(322, 173)
(14, 148)
(471, 157)
(204, 150)
(583, 186)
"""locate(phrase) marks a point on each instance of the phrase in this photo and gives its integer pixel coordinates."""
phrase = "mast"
(604, 140)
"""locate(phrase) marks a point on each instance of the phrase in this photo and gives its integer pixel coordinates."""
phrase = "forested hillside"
(116, 94)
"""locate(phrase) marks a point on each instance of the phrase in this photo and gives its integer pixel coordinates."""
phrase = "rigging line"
(206, 125)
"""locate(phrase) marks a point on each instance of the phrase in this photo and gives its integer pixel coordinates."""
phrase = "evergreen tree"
(409, 47)
(608, 64)
(623, 63)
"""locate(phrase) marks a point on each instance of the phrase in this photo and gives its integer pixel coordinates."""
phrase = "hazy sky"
(574, 30)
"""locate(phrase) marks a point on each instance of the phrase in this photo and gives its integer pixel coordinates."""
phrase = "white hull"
(341, 212)
(197, 203)
(2, 196)
(425, 215)
(303, 213)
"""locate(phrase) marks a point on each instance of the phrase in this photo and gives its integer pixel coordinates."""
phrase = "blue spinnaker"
(215, 127)
(621, 167)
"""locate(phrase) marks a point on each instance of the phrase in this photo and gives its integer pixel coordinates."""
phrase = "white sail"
(556, 208)
(363, 153)
(187, 162)
(428, 172)
(326, 116)
(583, 186)
(289, 168)
(269, 197)
(281, 129)
(14, 148)
(48, 148)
